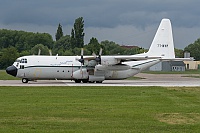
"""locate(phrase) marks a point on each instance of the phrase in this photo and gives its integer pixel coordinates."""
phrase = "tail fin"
(163, 44)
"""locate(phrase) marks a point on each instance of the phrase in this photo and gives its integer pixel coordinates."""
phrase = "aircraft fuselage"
(69, 68)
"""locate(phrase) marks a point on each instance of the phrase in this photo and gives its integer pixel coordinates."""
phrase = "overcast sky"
(127, 22)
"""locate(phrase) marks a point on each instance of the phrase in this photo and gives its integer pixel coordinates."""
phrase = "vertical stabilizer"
(163, 44)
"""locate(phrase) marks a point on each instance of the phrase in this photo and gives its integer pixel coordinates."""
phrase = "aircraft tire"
(77, 81)
(99, 81)
(84, 80)
(24, 80)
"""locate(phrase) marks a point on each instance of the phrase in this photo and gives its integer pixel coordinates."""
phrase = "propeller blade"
(100, 52)
(81, 68)
(98, 59)
(39, 51)
(81, 52)
(81, 60)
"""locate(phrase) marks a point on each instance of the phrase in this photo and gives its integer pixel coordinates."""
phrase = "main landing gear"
(86, 81)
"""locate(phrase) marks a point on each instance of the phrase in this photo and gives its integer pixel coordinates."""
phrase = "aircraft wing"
(113, 60)
(134, 58)
(125, 57)
(138, 58)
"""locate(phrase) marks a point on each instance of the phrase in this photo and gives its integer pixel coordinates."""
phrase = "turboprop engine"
(109, 60)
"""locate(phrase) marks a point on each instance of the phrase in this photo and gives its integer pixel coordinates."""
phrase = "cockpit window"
(23, 61)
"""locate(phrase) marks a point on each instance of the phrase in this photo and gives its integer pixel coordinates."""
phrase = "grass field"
(5, 76)
(99, 109)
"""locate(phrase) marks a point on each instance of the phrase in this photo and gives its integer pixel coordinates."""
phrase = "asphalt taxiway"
(171, 80)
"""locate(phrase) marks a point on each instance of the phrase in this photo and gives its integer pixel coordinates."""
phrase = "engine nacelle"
(80, 74)
(109, 60)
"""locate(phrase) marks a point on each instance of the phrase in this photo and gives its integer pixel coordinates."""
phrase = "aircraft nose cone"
(12, 70)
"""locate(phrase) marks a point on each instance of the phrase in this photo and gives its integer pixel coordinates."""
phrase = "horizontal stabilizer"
(178, 59)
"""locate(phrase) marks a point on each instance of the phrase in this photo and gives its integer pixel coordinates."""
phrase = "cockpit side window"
(23, 60)
(18, 61)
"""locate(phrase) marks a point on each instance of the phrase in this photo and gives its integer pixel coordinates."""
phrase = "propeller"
(81, 60)
(98, 58)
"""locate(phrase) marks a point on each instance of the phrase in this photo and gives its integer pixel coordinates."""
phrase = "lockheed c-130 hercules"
(96, 68)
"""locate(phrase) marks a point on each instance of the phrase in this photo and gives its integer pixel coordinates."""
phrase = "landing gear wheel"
(24, 80)
(99, 81)
(84, 80)
(77, 81)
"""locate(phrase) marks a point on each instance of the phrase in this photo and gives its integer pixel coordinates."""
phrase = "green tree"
(59, 32)
(42, 38)
(25, 52)
(130, 51)
(179, 53)
(117, 51)
(77, 51)
(109, 46)
(9, 55)
(44, 49)
(194, 49)
(78, 33)
(7, 38)
(93, 46)
(62, 45)
(68, 53)
(73, 39)
(24, 40)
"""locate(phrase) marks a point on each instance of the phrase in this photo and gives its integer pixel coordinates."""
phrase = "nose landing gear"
(25, 80)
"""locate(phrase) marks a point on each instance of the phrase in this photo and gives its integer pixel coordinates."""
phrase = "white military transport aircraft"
(96, 68)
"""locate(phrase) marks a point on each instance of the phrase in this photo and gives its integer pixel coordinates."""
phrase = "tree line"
(14, 44)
